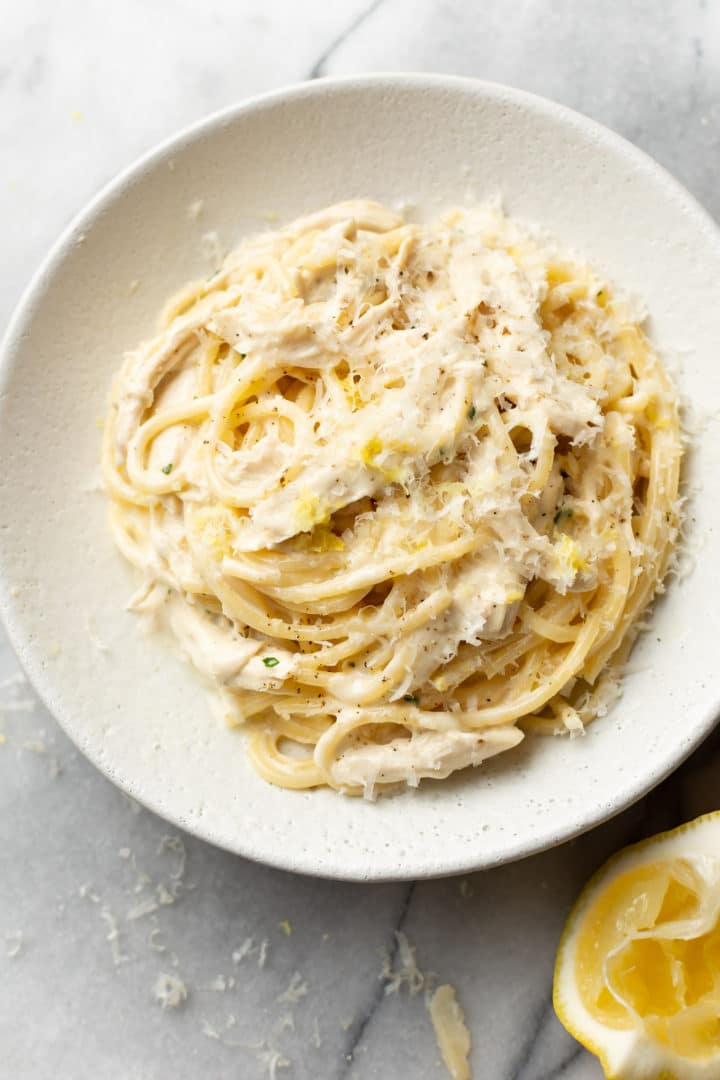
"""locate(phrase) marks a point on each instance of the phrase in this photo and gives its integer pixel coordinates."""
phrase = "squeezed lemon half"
(637, 976)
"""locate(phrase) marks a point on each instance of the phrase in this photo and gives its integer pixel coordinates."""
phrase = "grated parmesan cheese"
(145, 907)
(248, 948)
(176, 845)
(296, 990)
(271, 1060)
(211, 249)
(113, 936)
(408, 974)
(170, 991)
(14, 943)
(164, 896)
(153, 943)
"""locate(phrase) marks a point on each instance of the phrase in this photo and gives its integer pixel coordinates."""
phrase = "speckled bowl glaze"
(140, 715)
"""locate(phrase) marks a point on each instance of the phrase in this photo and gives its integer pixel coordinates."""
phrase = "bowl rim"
(85, 218)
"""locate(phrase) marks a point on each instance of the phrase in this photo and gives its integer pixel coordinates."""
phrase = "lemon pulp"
(646, 957)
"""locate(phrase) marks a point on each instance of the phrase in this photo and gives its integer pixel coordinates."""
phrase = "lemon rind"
(628, 1055)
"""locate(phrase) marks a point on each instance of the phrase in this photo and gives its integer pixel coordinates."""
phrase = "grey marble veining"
(286, 976)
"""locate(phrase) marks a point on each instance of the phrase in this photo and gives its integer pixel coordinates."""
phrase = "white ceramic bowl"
(140, 715)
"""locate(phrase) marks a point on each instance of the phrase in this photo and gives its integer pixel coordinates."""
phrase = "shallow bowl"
(140, 715)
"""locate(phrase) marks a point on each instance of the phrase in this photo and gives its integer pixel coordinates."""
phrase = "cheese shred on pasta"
(400, 491)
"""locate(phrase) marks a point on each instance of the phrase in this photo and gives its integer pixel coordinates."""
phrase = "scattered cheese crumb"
(247, 947)
(142, 879)
(466, 889)
(408, 974)
(134, 286)
(195, 209)
(211, 1032)
(453, 1037)
(286, 927)
(317, 1041)
(113, 936)
(170, 991)
(14, 943)
(165, 897)
(153, 943)
(145, 907)
(296, 990)
(124, 852)
(86, 892)
(211, 249)
(176, 845)
(272, 1060)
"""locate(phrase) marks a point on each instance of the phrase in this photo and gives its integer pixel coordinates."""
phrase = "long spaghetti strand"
(400, 491)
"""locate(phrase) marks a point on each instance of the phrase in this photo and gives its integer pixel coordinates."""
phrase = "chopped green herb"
(270, 661)
(167, 469)
(472, 412)
(411, 698)
(242, 355)
(563, 512)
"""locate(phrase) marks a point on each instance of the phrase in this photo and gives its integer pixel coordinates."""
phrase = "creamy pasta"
(399, 491)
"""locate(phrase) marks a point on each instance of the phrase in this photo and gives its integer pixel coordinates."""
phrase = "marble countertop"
(104, 910)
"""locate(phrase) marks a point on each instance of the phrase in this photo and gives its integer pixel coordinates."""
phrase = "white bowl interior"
(142, 716)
